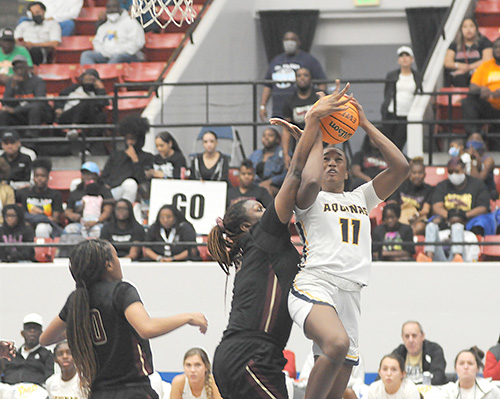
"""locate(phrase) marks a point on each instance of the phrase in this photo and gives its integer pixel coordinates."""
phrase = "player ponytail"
(208, 372)
(88, 262)
(223, 239)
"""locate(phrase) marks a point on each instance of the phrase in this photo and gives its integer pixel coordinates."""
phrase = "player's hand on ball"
(199, 319)
(362, 117)
(295, 131)
(330, 104)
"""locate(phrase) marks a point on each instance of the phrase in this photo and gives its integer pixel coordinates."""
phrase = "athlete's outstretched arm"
(285, 200)
(55, 332)
(386, 182)
(148, 327)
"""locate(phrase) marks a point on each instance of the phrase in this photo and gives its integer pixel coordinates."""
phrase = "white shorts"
(344, 297)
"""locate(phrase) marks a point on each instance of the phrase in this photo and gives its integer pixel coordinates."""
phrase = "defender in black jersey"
(248, 362)
(108, 327)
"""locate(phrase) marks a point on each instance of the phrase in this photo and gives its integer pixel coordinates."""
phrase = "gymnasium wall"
(457, 304)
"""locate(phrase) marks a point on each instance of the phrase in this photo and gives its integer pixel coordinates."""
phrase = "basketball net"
(163, 12)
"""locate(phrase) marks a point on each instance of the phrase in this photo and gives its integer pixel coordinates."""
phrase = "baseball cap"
(19, 58)
(405, 49)
(91, 167)
(10, 135)
(7, 34)
(33, 318)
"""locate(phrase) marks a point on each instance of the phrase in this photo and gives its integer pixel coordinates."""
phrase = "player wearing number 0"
(335, 228)
(108, 327)
(248, 362)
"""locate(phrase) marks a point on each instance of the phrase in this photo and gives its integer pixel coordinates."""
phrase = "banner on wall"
(201, 202)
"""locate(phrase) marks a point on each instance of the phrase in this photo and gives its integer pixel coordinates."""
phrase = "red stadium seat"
(490, 252)
(44, 254)
(490, 32)
(61, 180)
(488, 13)
(442, 108)
(159, 47)
(109, 74)
(234, 174)
(58, 76)
(204, 254)
(71, 47)
(376, 214)
(85, 23)
(143, 71)
(128, 106)
(435, 174)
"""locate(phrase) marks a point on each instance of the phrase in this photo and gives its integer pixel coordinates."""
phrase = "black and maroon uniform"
(124, 359)
(248, 362)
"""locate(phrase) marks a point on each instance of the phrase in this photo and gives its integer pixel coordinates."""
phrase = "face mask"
(113, 17)
(454, 152)
(290, 46)
(457, 178)
(88, 87)
(38, 19)
(477, 145)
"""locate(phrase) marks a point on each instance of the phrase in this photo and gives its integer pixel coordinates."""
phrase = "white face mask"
(290, 46)
(113, 17)
(457, 178)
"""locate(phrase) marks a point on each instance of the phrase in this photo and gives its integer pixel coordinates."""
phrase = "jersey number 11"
(355, 227)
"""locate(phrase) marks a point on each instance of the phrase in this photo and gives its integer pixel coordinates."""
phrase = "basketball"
(340, 126)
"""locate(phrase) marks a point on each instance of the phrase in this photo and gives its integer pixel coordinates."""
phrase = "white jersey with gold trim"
(336, 233)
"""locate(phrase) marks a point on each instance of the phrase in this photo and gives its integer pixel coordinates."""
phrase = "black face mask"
(88, 87)
(38, 19)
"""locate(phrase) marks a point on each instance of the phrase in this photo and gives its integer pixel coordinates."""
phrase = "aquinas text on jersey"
(335, 207)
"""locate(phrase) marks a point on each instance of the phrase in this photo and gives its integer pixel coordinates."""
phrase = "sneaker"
(72, 134)
(421, 257)
(458, 258)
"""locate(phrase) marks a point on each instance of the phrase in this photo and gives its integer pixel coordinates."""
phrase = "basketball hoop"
(163, 12)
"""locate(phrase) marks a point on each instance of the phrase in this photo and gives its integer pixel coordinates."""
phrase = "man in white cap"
(32, 363)
(399, 92)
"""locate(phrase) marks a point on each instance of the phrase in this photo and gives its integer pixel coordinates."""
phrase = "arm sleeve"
(125, 294)
(437, 366)
(372, 199)
(64, 313)
(272, 224)
(133, 40)
(491, 366)
(438, 193)
(186, 233)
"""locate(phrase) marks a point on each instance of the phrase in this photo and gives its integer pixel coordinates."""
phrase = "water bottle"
(426, 378)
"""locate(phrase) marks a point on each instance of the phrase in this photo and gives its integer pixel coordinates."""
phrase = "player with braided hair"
(108, 328)
(197, 382)
(249, 360)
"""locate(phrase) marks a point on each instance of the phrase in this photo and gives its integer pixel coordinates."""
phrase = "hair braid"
(208, 385)
(88, 261)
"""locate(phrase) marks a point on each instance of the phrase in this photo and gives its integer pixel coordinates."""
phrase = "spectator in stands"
(455, 233)
(414, 197)
(482, 164)
(247, 189)
(366, 163)
(469, 50)
(169, 161)
(492, 364)
(393, 380)
(7, 195)
(8, 50)
(33, 363)
(24, 84)
(171, 227)
(197, 380)
(399, 92)
(468, 365)
(64, 12)
(66, 384)
(42, 205)
(392, 233)
(268, 162)
(483, 101)
(119, 39)
(421, 355)
(457, 149)
(210, 164)
(125, 170)
(75, 208)
(460, 191)
(282, 68)
(19, 163)
(39, 35)
(295, 110)
(81, 111)
(12, 231)
(122, 227)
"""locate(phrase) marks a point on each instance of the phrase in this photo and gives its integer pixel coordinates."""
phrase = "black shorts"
(126, 392)
(249, 368)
